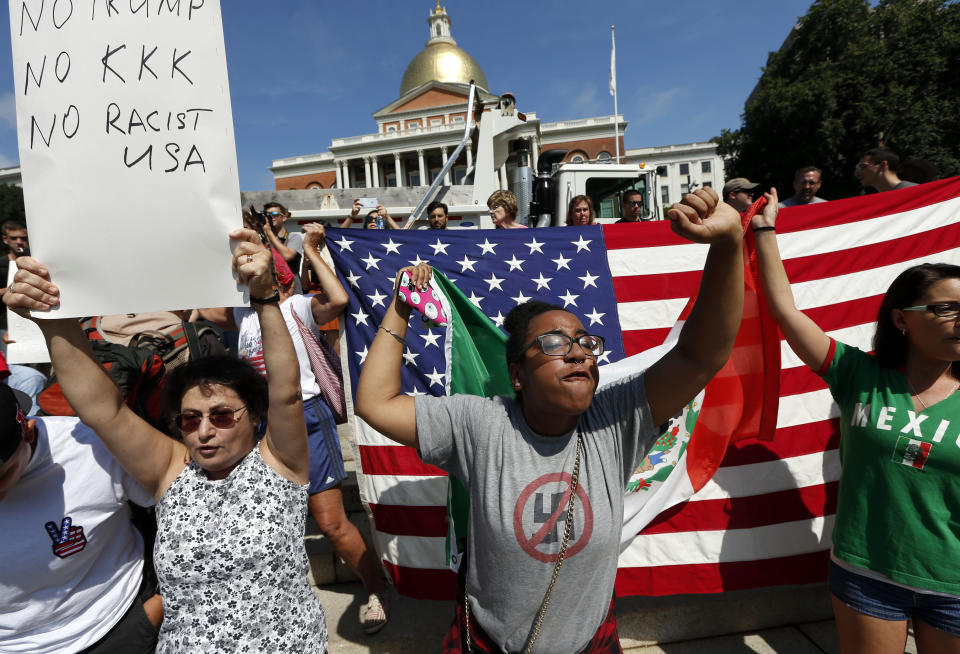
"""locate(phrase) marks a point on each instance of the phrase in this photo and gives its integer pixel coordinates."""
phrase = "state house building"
(416, 133)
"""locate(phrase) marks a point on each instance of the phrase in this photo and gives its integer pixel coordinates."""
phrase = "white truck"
(542, 195)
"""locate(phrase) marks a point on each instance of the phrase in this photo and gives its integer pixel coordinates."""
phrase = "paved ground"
(416, 627)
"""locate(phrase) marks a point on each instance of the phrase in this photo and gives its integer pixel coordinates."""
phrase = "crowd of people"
(177, 525)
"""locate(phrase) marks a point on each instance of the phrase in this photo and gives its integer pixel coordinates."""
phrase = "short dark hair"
(876, 155)
(11, 225)
(225, 370)
(436, 204)
(800, 172)
(889, 343)
(279, 206)
(629, 192)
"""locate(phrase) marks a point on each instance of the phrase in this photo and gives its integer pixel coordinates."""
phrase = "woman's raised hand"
(31, 288)
(767, 217)
(420, 275)
(701, 217)
(253, 263)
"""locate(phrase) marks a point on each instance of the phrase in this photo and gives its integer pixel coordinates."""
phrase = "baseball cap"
(738, 184)
(14, 406)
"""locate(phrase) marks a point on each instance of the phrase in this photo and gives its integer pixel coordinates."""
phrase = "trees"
(849, 78)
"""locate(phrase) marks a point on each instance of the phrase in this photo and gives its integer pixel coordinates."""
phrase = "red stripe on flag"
(636, 341)
(748, 512)
(719, 577)
(406, 520)
(423, 583)
(643, 288)
(395, 460)
(799, 440)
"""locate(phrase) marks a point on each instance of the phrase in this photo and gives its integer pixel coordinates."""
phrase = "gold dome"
(443, 62)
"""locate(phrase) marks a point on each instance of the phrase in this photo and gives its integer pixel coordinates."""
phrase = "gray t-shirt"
(793, 202)
(519, 483)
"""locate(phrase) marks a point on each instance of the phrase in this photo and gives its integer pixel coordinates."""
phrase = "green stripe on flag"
(476, 365)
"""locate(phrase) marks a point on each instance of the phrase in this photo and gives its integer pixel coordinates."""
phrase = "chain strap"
(567, 532)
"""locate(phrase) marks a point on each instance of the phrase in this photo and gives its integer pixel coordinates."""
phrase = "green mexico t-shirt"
(898, 511)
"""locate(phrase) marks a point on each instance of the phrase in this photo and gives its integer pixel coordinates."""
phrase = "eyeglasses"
(556, 344)
(219, 418)
(635, 203)
(864, 164)
(940, 309)
(273, 214)
(494, 207)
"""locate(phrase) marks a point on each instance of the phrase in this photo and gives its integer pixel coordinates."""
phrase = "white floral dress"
(232, 564)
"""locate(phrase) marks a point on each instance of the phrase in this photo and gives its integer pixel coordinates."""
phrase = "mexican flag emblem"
(911, 452)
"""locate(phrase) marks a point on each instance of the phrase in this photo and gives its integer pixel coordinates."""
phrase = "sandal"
(373, 614)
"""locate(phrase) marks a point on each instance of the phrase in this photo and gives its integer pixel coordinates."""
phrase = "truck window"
(606, 193)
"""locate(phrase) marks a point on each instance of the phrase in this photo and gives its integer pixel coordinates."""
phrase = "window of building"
(389, 179)
(314, 186)
(684, 189)
(577, 159)
(436, 121)
(604, 157)
(414, 178)
(391, 128)
(413, 124)
(684, 169)
(459, 172)
(457, 119)
(704, 166)
(665, 194)
(708, 184)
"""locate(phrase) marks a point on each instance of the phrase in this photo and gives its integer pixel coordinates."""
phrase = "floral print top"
(232, 565)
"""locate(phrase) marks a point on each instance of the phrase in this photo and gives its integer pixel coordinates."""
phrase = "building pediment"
(431, 95)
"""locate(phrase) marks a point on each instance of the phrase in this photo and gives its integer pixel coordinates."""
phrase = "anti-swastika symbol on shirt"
(540, 509)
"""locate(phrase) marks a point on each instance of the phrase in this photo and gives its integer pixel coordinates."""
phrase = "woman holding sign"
(896, 540)
(230, 511)
(546, 469)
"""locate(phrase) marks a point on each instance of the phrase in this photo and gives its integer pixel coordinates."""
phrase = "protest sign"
(28, 344)
(127, 151)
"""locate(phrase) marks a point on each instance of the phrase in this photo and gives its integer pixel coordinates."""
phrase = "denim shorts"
(892, 602)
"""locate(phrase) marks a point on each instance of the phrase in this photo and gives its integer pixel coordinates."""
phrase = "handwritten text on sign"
(126, 145)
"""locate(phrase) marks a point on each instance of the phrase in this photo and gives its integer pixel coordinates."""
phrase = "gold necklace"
(920, 399)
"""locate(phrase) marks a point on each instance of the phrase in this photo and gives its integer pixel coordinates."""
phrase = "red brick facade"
(300, 182)
(587, 148)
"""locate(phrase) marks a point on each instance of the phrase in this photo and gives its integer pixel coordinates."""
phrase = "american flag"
(766, 517)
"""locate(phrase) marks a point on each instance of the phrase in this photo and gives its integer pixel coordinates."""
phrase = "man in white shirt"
(74, 574)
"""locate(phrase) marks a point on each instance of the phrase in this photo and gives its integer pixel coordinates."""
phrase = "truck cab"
(604, 184)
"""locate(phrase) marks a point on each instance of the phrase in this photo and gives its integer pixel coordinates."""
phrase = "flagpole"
(613, 92)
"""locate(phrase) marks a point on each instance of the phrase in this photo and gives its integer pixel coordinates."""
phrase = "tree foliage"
(851, 77)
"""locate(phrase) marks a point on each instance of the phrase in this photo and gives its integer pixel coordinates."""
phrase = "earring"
(903, 331)
(516, 385)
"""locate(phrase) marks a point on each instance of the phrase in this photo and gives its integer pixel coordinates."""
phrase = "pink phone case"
(427, 302)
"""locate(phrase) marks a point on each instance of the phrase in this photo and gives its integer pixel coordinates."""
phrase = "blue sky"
(303, 72)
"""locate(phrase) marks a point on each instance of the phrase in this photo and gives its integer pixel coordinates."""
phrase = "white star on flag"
(430, 339)
(562, 263)
(515, 263)
(520, 299)
(475, 299)
(542, 282)
(415, 392)
(371, 261)
(344, 244)
(363, 354)
(435, 378)
(487, 246)
(494, 282)
(377, 298)
(589, 280)
(440, 248)
(410, 357)
(466, 264)
(498, 319)
(595, 317)
(418, 261)
(392, 247)
(360, 317)
(354, 280)
(568, 299)
(535, 246)
(581, 244)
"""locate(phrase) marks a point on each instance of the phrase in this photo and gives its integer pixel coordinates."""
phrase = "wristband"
(765, 228)
(400, 339)
(273, 299)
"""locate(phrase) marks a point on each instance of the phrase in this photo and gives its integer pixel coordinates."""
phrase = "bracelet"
(400, 339)
(764, 228)
(273, 299)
